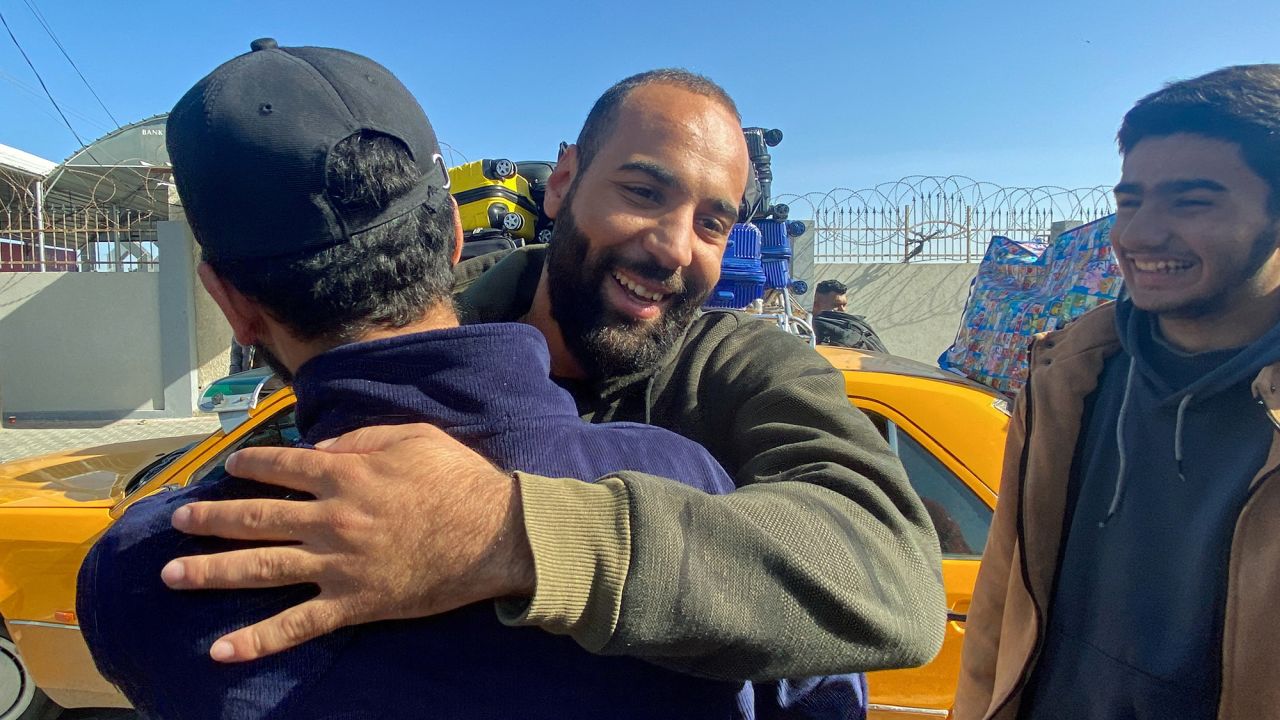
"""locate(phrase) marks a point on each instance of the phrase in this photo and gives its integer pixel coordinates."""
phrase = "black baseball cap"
(250, 146)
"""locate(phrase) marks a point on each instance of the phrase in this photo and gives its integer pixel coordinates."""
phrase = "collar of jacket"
(1065, 367)
(470, 380)
(1266, 388)
(500, 287)
(1095, 332)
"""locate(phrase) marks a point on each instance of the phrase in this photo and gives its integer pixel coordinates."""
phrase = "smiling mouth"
(636, 289)
(1166, 267)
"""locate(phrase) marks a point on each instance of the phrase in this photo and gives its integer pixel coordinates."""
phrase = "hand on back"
(406, 522)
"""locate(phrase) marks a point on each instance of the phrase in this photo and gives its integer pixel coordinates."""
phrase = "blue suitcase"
(744, 242)
(741, 283)
(774, 239)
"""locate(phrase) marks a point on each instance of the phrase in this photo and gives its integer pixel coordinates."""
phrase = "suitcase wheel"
(512, 222)
(497, 213)
(504, 169)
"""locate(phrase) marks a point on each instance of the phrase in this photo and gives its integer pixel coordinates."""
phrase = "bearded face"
(619, 310)
(642, 223)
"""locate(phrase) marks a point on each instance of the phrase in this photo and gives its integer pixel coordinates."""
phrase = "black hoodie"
(1169, 444)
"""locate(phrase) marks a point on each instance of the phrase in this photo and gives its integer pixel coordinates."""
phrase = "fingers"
(253, 568)
(378, 437)
(293, 468)
(290, 628)
(279, 520)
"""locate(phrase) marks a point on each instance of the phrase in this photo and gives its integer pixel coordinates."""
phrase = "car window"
(280, 430)
(960, 517)
(150, 471)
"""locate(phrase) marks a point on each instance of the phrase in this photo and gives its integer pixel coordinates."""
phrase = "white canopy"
(13, 159)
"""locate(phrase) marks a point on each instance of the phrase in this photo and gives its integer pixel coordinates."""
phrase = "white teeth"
(637, 289)
(1161, 266)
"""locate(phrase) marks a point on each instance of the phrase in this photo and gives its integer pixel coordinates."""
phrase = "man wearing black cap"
(314, 185)
(822, 560)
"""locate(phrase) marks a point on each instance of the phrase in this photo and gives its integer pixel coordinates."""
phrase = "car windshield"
(155, 467)
(278, 431)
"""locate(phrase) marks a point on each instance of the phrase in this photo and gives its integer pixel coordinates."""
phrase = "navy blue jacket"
(487, 386)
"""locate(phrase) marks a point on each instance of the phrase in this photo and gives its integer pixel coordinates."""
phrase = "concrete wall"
(802, 262)
(213, 340)
(80, 344)
(101, 346)
(178, 288)
(115, 345)
(914, 307)
(210, 331)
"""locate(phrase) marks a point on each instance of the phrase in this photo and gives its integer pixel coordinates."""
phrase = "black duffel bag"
(845, 330)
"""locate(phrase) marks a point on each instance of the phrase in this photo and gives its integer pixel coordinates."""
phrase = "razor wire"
(111, 227)
(937, 219)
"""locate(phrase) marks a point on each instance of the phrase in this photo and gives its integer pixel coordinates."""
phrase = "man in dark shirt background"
(830, 295)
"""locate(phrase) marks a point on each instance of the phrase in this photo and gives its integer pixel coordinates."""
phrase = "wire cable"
(453, 151)
(43, 23)
(37, 74)
(97, 123)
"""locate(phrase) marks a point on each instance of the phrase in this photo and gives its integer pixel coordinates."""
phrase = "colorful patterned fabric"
(1025, 288)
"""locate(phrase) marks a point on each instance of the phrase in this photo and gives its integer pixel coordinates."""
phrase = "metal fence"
(936, 219)
(915, 219)
(78, 239)
(48, 233)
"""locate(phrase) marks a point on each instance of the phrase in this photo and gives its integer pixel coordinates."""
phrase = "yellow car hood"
(80, 478)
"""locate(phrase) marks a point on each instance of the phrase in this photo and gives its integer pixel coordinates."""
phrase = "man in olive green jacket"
(824, 561)
(1131, 566)
(771, 411)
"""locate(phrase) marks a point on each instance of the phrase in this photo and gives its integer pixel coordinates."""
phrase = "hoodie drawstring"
(1124, 410)
(1177, 434)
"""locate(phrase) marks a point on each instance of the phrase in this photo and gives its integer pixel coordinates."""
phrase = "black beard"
(1259, 252)
(603, 342)
(273, 362)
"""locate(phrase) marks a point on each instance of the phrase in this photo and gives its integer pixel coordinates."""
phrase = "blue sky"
(1017, 93)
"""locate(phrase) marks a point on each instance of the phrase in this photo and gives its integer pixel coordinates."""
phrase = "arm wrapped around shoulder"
(822, 561)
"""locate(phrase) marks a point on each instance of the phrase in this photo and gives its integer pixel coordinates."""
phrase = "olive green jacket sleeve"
(823, 561)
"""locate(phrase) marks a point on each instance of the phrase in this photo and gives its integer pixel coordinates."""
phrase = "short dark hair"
(1239, 104)
(604, 114)
(831, 287)
(387, 276)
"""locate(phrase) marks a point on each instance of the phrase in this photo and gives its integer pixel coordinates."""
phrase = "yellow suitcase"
(492, 196)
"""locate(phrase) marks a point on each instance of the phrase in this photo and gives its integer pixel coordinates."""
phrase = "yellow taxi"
(949, 433)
